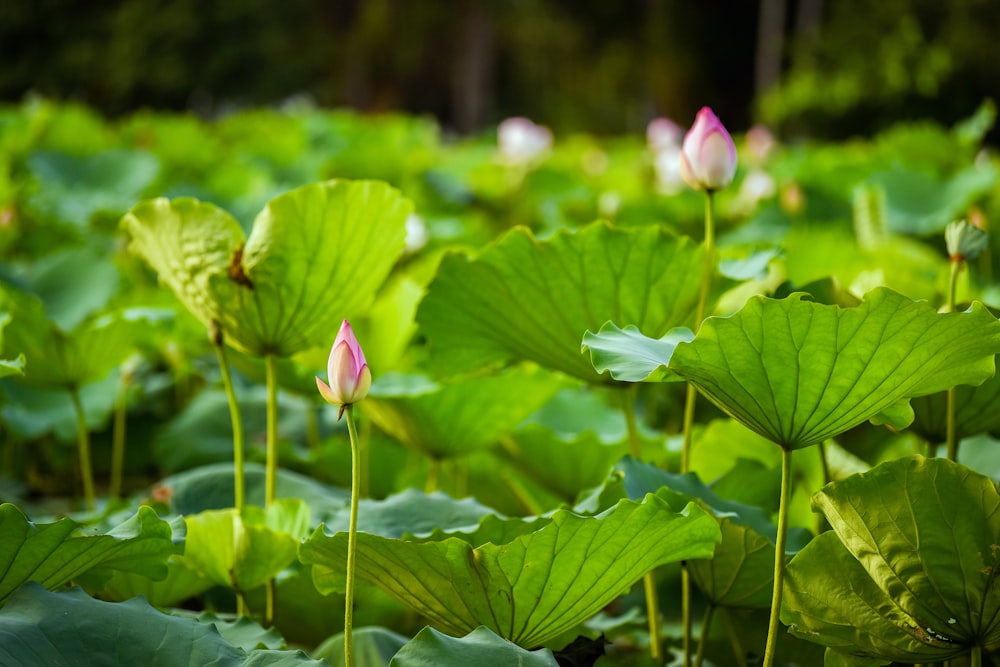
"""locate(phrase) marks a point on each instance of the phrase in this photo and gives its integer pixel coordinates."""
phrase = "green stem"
(951, 444)
(83, 445)
(653, 612)
(706, 623)
(118, 440)
(690, 397)
(433, 473)
(237, 423)
(649, 580)
(976, 657)
(631, 427)
(779, 557)
(271, 465)
(352, 536)
(824, 464)
(734, 640)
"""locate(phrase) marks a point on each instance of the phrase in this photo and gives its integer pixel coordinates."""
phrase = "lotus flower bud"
(708, 156)
(347, 371)
(964, 241)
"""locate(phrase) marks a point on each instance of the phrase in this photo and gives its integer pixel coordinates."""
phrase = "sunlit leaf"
(522, 298)
(529, 588)
(245, 551)
(909, 571)
(630, 356)
(479, 647)
(453, 418)
(798, 372)
(35, 631)
(315, 255)
(55, 553)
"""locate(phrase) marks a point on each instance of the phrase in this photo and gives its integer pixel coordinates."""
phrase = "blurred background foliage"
(826, 69)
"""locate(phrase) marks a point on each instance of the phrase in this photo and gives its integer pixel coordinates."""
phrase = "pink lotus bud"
(708, 156)
(347, 371)
(520, 140)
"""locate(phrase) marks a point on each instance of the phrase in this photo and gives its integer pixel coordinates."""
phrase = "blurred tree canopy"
(827, 68)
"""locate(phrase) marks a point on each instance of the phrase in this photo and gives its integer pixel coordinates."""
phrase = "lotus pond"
(607, 411)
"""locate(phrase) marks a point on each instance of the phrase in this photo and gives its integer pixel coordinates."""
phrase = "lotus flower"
(708, 156)
(520, 140)
(347, 371)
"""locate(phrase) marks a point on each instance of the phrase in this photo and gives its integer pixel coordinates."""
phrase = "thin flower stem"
(649, 580)
(118, 439)
(352, 536)
(631, 427)
(83, 445)
(237, 422)
(706, 623)
(690, 397)
(653, 612)
(271, 465)
(951, 443)
(779, 557)
(734, 640)
(976, 657)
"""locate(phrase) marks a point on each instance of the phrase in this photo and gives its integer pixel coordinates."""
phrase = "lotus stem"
(433, 474)
(118, 438)
(352, 535)
(951, 443)
(779, 557)
(271, 472)
(734, 641)
(976, 656)
(649, 579)
(706, 623)
(237, 422)
(83, 445)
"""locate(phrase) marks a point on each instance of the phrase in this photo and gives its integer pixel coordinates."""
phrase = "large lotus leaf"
(55, 553)
(630, 356)
(73, 284)
(479, 647)
(411, 512)
(460, 416)
(977, 410)
(34, 631)
(72, 189)
(30, 412)
(527, 299)
(741, 572)
(798, 372)
(563, 465)
(181, 583)
(530, 588)
(315, 255)
(920, 204)
(909, 572)
(372, 646)
(58, 358)
(245, 550)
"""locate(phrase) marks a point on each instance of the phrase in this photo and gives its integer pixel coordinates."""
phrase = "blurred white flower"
(520, 140)
(667, 168)
(760, 143)
(416, 234)
(663, 134)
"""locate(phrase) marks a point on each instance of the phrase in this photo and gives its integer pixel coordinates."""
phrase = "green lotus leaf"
(909, 572)
(522, 298)
(630, 356)
(372, 647)
(411, 512)
(528, 588)
(245, 550)
(798, 372)
(977, 410)
(64, 359)
(460, 416)
(180, 584)
(741, 572)
(56, 553)
(34, 631)
(315, 255)
(479, 647)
